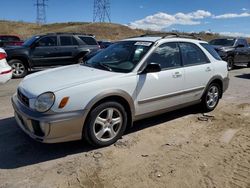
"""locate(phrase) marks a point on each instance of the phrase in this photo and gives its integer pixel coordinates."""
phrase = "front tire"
(106, 123)
(19, 68)
(211, 97)
(230, 63)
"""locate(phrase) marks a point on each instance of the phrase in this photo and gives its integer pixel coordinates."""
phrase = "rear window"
(211, 50)
(88, 40)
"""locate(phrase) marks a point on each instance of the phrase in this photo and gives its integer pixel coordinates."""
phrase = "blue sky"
(222, 16)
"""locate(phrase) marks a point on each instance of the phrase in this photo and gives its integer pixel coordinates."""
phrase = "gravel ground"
(178, 149)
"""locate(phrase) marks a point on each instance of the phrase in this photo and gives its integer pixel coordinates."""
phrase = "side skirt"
(162, 111)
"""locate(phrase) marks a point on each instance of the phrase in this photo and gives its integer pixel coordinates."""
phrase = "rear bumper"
(49, 128)
(5, 75)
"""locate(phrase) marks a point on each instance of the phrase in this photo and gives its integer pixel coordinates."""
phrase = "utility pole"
(101, 11)
(41, 11)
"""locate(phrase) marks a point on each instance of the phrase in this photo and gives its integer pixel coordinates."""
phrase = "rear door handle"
(208, 69)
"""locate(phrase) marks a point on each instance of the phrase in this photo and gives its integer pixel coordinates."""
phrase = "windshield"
(29, 41)
(222, 42)
(120, 57)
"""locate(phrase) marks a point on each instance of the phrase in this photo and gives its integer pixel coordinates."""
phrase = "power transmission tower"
(41, 11)
(101, 11)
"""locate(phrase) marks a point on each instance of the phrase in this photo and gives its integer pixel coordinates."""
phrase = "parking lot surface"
(184, 148)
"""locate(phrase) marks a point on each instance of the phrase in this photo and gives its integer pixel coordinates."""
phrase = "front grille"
(23, 98)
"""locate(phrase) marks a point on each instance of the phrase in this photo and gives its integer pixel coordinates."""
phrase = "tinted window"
(192, 54)
(88, 40)
(75, 43)
(48, 41)
(222, 42)
(65, 41)
(211, 50)
(167, 55)
(241, 42)
(30, 41)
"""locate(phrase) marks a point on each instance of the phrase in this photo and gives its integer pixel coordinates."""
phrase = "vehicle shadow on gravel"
(18, 150)
(244, 76)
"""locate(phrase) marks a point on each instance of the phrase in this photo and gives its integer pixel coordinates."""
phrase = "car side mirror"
(240, 46)
(152, 67)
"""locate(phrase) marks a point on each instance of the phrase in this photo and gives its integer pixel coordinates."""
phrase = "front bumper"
(225, 84)
(48, 128)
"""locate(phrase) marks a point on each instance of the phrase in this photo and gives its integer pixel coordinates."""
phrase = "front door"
(161, 90)
(45, 52)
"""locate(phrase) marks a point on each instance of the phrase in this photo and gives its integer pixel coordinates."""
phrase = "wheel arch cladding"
(21, 58)
(117, 96)
(218, 80)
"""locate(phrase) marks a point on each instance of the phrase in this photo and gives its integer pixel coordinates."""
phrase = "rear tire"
(19, 68)
(211, 97)
(106, 123)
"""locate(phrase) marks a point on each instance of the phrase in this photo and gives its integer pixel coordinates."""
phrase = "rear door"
(45, 52)
(68, 48)
(197, 70)
(161, 90)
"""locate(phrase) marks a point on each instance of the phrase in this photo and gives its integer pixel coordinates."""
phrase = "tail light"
(3, 55)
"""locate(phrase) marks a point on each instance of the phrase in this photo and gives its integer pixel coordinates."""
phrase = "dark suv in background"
(235, 51)
(49, 50)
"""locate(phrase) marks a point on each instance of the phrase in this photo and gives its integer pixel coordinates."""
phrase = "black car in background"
(49, 50)
(235, 51)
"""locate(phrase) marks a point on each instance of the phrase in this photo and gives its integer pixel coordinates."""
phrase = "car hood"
(60, 78)
(222, 48)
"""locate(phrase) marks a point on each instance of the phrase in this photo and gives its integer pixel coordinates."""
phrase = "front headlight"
(44, 102)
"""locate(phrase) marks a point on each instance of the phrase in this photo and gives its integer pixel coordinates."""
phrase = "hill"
(107, 31)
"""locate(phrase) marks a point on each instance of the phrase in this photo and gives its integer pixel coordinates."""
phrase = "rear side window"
(192, 54)
(211, 50)
(88, 40)
(65, 40)
(167, 55)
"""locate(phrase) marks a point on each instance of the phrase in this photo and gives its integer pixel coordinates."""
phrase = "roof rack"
(170, 35)
(62, 33)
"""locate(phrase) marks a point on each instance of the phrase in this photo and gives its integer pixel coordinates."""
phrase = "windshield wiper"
(104, 66)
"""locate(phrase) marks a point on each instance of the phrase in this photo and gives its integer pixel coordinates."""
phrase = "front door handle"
(208, 69)
(177, 75)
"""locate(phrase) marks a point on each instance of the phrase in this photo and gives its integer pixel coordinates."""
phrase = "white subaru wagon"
(132, 79)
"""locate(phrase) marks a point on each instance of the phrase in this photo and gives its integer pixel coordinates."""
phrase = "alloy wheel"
(212, 96)
(107, 124)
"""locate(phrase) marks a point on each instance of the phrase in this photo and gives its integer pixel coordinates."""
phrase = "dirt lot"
(177, 149)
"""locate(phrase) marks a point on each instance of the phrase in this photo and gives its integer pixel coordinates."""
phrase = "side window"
(211, 50)
(167, 55)
(88, 40)
(243, 42)
(192, 54)
(48, 41)
(75, 43)
(65, 40)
